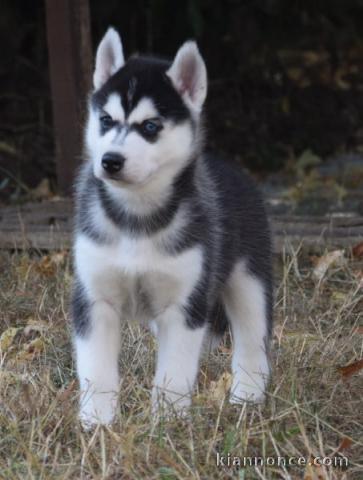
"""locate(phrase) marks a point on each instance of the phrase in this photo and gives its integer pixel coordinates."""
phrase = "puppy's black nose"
(112, 162)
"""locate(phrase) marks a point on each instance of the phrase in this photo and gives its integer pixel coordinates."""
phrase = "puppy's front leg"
(97, 348)
(177, 360)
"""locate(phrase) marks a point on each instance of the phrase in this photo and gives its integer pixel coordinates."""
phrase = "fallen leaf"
(357, 250)
(218, 389)
(334, 258)
(31, 350)
(59, 257)
(46, 267)
(351, 369)
(359, 330)
(48, 264)
(345, 444)
(37, 326)
(7, 338)
(63, 395)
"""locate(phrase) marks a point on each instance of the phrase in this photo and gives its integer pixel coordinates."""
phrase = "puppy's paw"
(97, 409)
(169, 404)
(247, 389)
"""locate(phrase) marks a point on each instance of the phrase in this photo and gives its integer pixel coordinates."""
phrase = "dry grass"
(310, 409)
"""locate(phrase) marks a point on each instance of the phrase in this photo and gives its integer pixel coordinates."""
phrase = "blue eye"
(106, 122)
(150, 127)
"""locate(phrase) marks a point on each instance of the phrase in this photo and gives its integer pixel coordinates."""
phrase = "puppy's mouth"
(121, 180)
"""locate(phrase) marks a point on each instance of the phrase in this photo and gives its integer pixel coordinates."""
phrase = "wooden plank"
(48, 225)
(70, 61)
(45, 226)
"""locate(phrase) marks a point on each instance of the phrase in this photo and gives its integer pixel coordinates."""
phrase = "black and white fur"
(164, 234)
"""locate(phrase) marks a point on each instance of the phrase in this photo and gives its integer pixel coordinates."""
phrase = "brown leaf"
(64, 395)
(31, 350)
(359, 330)
(349, 370)
(326, 261)
(357, 250)
(59, 257)
(219, 389)
(46, 267)
(345, 444)
(48, 264)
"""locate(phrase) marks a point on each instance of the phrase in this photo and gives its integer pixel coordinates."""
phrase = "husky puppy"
(164, 234)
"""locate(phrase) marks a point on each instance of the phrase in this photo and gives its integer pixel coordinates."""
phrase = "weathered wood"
(48, 225)
(70, 61)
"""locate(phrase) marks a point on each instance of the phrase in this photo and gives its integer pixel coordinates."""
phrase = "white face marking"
(113, 107)
(144, 110)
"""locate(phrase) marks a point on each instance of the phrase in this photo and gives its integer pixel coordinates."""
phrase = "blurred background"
(285, 87)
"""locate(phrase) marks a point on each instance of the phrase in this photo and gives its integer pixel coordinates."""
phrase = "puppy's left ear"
(189, 75)
(109, 58)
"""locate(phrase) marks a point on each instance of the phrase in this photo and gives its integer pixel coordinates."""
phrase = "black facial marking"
(143, 77)
(147, 224)
(106, 123)
(131, 91)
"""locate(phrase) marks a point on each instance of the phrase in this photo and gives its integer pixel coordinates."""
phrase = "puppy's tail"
(218, 324)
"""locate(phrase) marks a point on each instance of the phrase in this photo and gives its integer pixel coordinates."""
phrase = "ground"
(313, 406)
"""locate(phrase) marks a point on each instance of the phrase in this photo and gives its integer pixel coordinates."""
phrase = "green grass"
(309, 410)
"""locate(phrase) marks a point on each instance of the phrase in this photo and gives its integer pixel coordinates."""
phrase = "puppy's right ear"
(109, 58)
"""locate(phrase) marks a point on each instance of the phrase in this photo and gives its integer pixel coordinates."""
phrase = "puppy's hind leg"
(246, 303)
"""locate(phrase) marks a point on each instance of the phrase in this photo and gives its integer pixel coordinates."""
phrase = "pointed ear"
(109, 58)
(189, 75)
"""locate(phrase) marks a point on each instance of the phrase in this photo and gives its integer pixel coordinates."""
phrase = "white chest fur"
(119, 271)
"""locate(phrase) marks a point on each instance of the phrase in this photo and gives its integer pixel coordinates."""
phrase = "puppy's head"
(144, 113)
